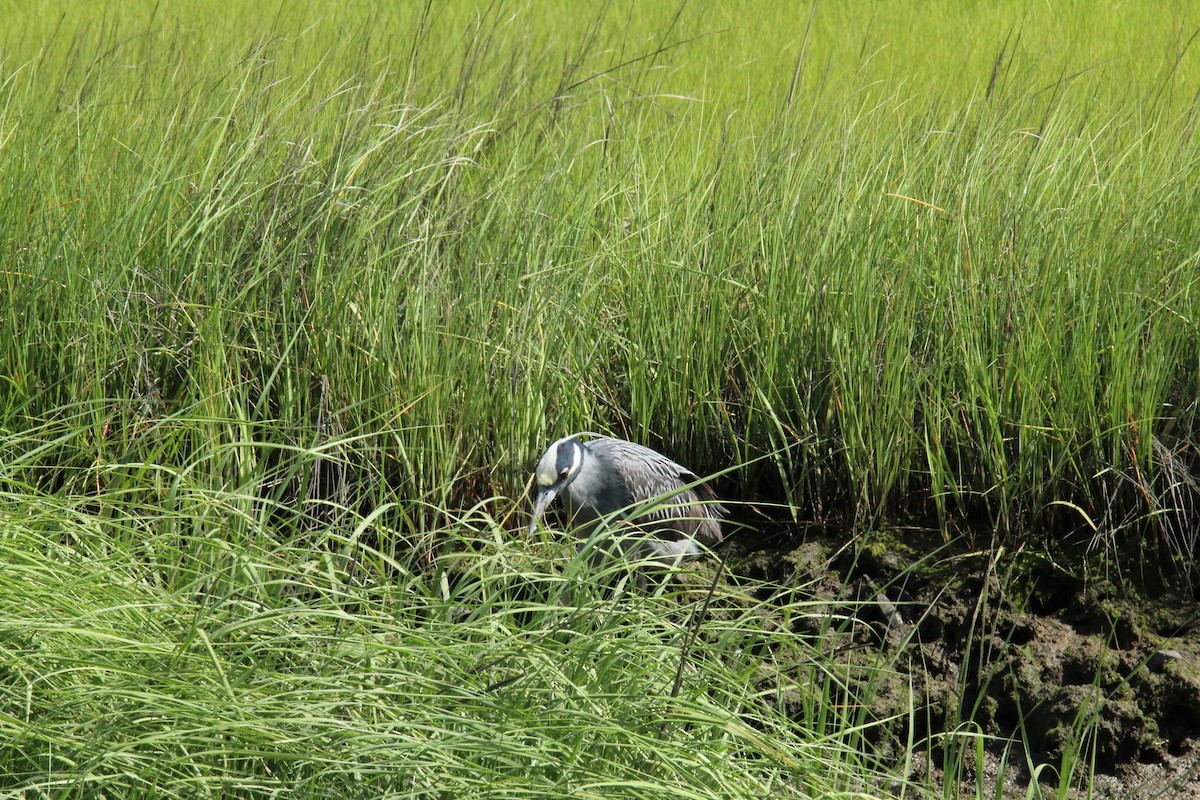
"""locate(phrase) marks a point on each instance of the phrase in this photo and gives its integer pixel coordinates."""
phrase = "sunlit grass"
(965, 292)
(280, 284)
(148, 656)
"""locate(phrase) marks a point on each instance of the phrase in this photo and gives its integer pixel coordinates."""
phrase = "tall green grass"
(145, 655)
(936, 264)
(278, 284)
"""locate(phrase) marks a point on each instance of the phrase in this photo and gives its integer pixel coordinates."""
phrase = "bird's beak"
(545, 495)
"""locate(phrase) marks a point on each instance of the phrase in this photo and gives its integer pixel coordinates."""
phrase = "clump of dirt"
(1013, 644)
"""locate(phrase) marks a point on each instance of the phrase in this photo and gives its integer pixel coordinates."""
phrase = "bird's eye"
(562, 476)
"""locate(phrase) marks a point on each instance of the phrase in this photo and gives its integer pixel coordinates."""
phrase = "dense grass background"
(942, 262)
(282, 283)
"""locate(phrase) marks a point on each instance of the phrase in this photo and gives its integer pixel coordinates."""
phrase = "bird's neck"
(594, 489)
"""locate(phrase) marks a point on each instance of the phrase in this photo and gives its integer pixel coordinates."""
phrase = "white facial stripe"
(577, 460)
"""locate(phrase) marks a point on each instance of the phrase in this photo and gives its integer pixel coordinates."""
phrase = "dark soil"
(1027, 651)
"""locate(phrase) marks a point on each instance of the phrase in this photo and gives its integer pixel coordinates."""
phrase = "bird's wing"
(648, 475)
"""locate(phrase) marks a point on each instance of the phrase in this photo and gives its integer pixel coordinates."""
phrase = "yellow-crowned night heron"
(605, 478)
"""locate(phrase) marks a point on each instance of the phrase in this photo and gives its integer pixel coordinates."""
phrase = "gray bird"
(612, 478)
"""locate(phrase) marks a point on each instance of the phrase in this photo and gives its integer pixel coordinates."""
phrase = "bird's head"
(558, 466)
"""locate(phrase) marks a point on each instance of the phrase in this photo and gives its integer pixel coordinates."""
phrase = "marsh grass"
(966, 296)
(145, 658)
(291, 297)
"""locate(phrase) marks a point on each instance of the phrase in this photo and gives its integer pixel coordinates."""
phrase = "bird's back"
(647, 475)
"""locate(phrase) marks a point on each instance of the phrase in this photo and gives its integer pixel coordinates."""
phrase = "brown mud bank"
(1054, 669)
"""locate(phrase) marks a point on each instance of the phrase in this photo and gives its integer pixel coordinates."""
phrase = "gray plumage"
(612, 478)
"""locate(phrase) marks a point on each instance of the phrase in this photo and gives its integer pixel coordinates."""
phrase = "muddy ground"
(1027, 650)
